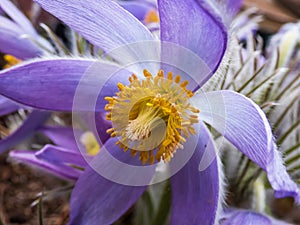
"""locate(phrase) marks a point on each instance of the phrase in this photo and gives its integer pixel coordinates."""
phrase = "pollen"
(151, 16)
(152, 117)
(90, 143)
(10, 61)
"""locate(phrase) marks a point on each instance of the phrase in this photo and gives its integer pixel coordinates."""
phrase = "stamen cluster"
(152, 116)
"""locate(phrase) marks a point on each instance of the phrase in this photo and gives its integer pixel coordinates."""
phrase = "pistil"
(152, 116)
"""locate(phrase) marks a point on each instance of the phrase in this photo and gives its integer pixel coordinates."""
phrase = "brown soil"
(19, 186)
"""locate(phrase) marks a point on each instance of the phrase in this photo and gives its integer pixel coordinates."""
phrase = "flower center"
(151, 16)
(152, 116)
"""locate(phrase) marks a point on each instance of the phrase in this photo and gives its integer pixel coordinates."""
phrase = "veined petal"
(137, 8)
(247, 218)
(237, 217)
(102, 126)
(97, 200)
(59, 155)
(225, 8)
(57, 169)
(7, 106)
(29, 126)
(15, 14)
(233, 6)
(245, 125)
(52, 84)
(197, 195)
(12, 43)
(103, 22)
(62, 136)
(193, 26)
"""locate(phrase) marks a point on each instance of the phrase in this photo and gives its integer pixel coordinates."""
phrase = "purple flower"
(197, 187)
(236, 217)
(13, 42)
(140, 9)
(17, 35)
(63, 159)
(58, 159)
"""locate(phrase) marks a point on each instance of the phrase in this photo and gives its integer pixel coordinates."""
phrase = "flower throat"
(152, 117)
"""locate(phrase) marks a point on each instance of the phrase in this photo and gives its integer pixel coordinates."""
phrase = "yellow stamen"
(151, 17)
(160, 73)
(121, 86)
(89, 141)
(152, 117)
(10, 61)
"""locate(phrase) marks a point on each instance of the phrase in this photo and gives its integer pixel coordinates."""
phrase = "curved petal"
(29, 126)
(196, 195)
(102, 126)
(7, 106)
(225, 8)
(57, 169)
(245, 125)
(193, 25)
(233, 6)
(14, 13)
(12, 43)
(238, 216)
(247, 218)
(62, 136)
(97, 200)
(103, 22)
(54, 84)
(59, 155)
(137, 8)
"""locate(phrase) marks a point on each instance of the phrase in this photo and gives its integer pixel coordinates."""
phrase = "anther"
(147, 74)
(156, 100)
(177, 79)
(160, 73)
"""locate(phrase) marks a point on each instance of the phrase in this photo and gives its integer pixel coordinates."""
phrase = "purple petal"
(193, 26)
(12, 43)
(62, 136)
(54, 84)
(233, 6)
(60, 170)
(102, 126)
(7, 106)
(137, 8)
(196, 195)
(245, 125)
(237, 216)
(103, 22)
(29, 126)
(98, 124)
(247, 218)
(97, 200)
(15, 14)
(58, 155)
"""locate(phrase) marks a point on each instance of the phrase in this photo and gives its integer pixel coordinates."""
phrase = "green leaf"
(154, 206)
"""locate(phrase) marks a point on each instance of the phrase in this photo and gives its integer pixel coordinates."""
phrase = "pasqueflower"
(155, 100)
